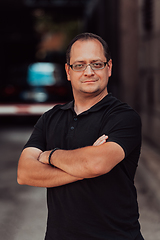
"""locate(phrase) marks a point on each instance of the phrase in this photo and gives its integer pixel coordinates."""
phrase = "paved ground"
(23, 208)
(148, 188)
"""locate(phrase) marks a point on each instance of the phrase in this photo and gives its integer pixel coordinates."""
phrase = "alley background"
(34, 31)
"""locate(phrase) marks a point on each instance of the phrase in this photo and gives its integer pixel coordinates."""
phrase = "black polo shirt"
(101, 208)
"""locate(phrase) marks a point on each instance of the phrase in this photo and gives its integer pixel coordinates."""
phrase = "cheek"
(102, 76)
(106, 75)
(76, 76)
(104, 79)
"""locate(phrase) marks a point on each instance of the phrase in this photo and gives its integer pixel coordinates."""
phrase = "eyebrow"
(92, 61)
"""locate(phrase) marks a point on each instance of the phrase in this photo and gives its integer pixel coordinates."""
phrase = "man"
(86, 153)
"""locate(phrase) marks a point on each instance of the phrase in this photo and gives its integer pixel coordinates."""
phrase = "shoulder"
(124, 126)
(57, 108)
(121, 111)
(51, 115)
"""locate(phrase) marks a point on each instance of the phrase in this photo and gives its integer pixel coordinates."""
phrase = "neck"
(82, 104)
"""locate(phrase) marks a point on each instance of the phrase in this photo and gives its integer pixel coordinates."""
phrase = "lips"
(90, 81)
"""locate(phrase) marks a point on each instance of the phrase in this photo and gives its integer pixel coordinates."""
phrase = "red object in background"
(24, 109)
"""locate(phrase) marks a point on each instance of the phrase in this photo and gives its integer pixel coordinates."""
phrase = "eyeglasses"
(82, 66)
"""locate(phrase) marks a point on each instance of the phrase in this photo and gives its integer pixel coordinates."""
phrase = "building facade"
(149, 68)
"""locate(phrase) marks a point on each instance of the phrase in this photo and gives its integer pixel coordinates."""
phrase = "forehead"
(90, 49)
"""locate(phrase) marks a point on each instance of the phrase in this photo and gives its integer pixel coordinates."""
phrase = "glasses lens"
(78, 67)
(97, 65)
(82, 66)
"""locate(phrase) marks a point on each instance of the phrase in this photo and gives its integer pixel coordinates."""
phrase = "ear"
(109, 67)
(67, 68)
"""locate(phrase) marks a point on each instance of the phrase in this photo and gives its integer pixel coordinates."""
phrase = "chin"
(91, 92)
(90, 89)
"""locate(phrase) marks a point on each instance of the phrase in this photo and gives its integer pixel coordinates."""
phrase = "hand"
(100, 140)
(43, 157)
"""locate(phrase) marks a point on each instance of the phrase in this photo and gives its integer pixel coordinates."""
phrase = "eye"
(98, 64)
(78, 66)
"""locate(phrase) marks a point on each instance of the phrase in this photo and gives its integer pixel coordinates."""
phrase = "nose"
(89, 70)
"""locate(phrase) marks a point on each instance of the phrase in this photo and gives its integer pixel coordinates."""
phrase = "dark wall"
(103, 20)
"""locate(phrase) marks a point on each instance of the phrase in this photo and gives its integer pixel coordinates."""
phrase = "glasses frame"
(86, 65)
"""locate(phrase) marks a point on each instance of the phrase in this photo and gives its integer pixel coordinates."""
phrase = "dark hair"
(88, 36)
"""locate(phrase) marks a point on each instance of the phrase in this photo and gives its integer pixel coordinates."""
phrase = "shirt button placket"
(73, 126)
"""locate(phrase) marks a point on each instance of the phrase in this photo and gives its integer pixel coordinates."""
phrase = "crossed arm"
(71, 165)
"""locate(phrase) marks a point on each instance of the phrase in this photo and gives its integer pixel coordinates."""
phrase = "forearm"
(89, 162)
(82, 162)
(34, 173)
(86, 162)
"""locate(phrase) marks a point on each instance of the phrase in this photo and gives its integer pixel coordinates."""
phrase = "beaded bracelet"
(49, 158)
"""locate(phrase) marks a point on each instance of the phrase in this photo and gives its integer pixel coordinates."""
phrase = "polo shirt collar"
(106, 101)
(67, 106)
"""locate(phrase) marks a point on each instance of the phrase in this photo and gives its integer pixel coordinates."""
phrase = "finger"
(103, 137)
(100, 140)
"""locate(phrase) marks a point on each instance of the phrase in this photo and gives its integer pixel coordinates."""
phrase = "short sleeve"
(124, 129)
(37, 138)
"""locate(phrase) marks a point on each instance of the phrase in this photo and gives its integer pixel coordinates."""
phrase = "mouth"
(90, 81)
